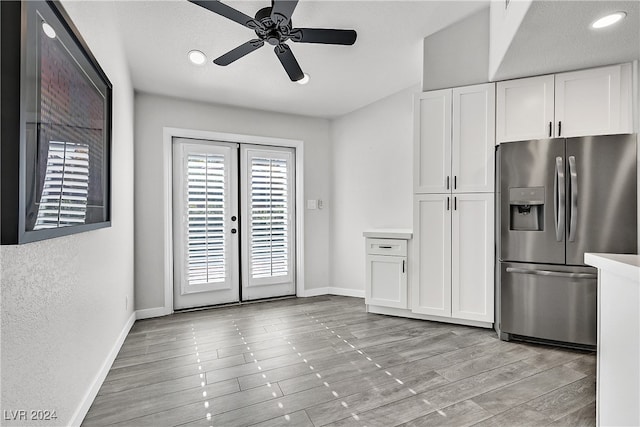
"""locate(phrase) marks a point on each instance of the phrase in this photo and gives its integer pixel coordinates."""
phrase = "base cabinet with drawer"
(386, 270)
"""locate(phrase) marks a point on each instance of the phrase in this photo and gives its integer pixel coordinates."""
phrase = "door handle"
(447, 203)
(559, 198)
(455, 203)
(551, 273)
(550, 126)
(234, 231)
(447, 182)
(573, 185)
(455, 182)
(403, 265)
(559, 128)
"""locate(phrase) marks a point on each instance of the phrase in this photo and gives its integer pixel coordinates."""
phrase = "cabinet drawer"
(396, 247)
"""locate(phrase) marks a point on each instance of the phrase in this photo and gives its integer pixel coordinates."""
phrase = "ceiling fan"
(273, 25)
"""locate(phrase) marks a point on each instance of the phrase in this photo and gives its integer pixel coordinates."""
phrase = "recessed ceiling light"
(611, 19)
(304, 80)
(48, 30)
(197, 57)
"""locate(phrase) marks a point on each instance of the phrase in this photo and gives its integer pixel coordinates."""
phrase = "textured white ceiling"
(556, 36)
(386, 57)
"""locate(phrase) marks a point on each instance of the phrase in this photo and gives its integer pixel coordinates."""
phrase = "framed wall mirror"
(56, 127)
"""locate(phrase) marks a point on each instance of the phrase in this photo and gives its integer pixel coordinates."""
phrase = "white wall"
(153, 113)
(504, 24)
(372, 180)
(458, 55)
(63, 300)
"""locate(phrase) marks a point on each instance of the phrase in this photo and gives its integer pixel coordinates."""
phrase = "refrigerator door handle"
(559, 198)
(573, 188)
(552, 273)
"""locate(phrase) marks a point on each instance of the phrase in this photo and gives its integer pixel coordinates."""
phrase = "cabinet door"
(473, 147)
(431, 289)
(590, 102)
(472, 257)
(524, 109)
(432, 145)
(386, 281)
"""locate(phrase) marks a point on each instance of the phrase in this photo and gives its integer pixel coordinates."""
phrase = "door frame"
(168, 133)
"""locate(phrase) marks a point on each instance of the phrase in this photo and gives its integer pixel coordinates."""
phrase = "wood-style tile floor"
(324, 361)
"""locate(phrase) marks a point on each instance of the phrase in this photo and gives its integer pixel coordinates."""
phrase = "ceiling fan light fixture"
(608, 20)
(304, 80)
(197, 57)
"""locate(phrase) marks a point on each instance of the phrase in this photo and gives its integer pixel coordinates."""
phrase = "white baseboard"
(345, 292)
(152, 312)
(389, 311)
(90, 395)
(314, 292)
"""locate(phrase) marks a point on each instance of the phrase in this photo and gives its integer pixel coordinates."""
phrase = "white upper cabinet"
(593, 102)
(579, 103)
(432, 149)
(473, 147)
(454, 140)
(524, 109)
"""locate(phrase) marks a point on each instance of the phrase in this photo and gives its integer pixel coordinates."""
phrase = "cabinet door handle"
(550, 125)
(403, 266)
(447, 203)
(447, 182)
(455, 203)
(559, 128)
(384, 247)
(455, 182)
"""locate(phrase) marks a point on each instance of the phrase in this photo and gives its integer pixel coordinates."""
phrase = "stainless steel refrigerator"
(559, 198)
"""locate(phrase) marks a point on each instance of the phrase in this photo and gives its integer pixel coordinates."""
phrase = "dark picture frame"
(56, 116)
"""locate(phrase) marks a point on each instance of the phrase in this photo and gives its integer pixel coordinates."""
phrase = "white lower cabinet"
(431, 292)
(472, 257)
(454, 250)
(386, 272)
(387, 279)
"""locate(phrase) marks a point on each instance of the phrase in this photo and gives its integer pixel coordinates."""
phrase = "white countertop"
(389, 233)
(626, 265)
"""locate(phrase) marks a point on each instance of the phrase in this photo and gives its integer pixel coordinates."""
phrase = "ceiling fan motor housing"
(272, 32)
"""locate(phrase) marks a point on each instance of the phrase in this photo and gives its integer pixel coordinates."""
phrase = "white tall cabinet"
(454, 156)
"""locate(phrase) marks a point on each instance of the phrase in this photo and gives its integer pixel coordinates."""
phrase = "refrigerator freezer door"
(601, 196)
(532, 221)
(549, 302)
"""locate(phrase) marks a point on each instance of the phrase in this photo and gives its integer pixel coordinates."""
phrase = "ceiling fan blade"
(289, 62)
(282, 10)
(228, 12)
(324, 35)
(239, 52)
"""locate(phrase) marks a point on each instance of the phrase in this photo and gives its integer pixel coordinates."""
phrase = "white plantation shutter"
(269, 217)
(268, 178)
(206, 205)
(204, 199)
(63, 201)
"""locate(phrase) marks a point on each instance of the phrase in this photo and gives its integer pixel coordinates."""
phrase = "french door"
(233, 226)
